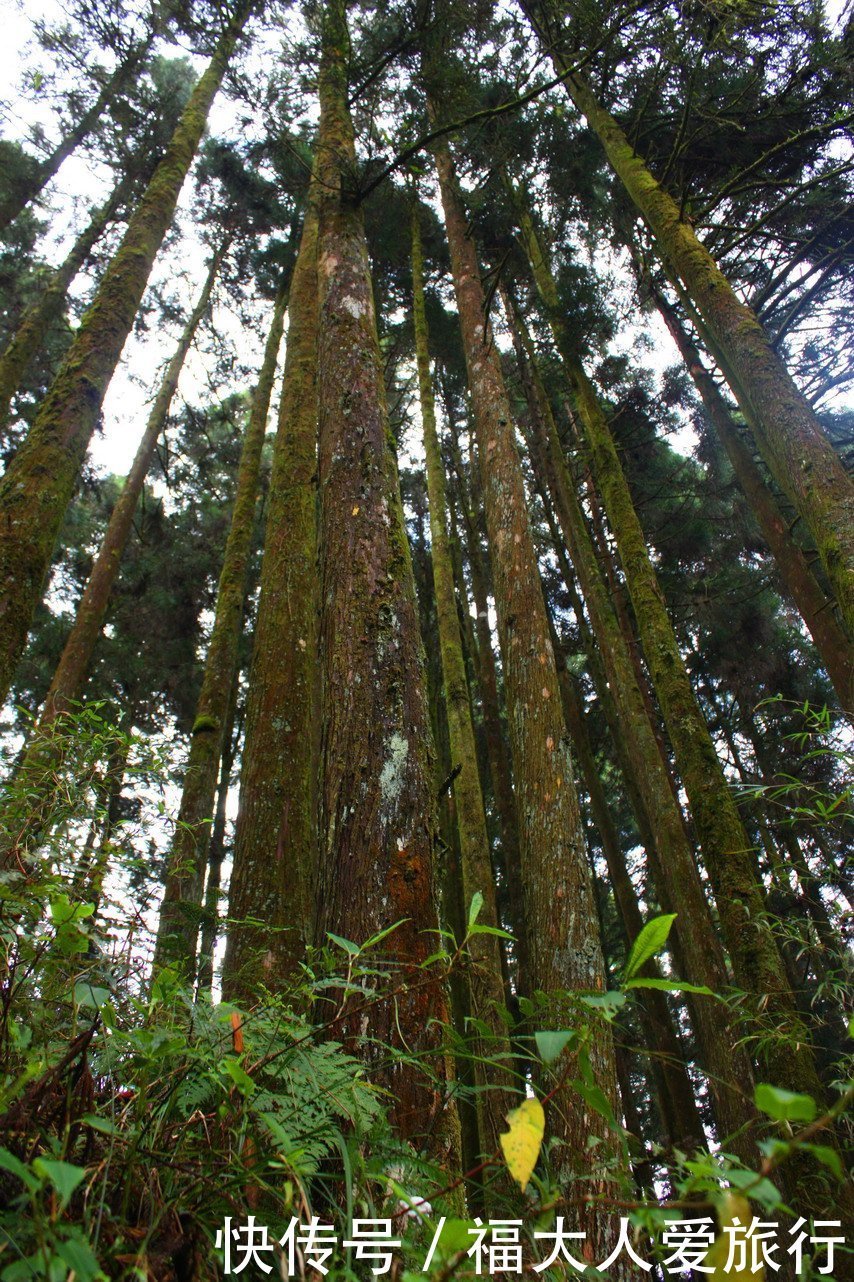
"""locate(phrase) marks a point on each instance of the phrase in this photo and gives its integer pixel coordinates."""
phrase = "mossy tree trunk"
(42, 171)
(674, 1091)
(180, 910)
(48, 306)
(796, 451)
(377, 811)
(834, 647)
(37, 486)
(486, 983)
(672, 862)
(723, 839)
(69, 678)
(70, 675)
(564, 946)
(217, 849)
(274, 838)
(497, 748)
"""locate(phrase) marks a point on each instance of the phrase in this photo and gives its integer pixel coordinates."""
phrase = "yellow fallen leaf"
(521, 1144)
(733, 1207)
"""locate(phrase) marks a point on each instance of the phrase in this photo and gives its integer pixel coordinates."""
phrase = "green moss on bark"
(179, 913)
(37, 486)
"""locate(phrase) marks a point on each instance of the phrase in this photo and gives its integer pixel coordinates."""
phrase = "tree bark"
(836, 651)
(675, 1092)
(723, 839)
(70, 674)
(275, 832)
(69, 678)
(44, 310)
(179, 912)
(42, 172)
(484, 970)
(376, 808)
(564, 945)
(672, 861)
(37, 486)
(496, 744)
(796, 451)
(216, 851)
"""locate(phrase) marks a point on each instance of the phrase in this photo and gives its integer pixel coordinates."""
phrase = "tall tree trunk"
(37, 486)
(721, 833)
(376, 808)
(274, 836)
(798, 455)
(564, 944)
(836, 651)
(69, 678)
(724, 842)
(673, 1085)
(216, 851)
(496, 745)
(48, 306)
(42, 171)
(672, 861)
(179, 912)
(484, 973)
(74, 663)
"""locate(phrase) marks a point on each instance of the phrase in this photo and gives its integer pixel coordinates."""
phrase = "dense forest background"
(426, 638)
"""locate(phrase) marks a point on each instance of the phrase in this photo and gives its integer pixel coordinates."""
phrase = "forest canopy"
(426, 640)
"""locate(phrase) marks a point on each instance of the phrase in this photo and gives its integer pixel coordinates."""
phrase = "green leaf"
(475, 907)
(346, 944)
(784, 1106)
(62, 1175)
(670, 986)
(77, 1255)
(828, 1157)
(478, 929)
(86, 994)
(609, 1002)
(239, 1076)
(595, 1097)
(14, 1165)
(551, 1044)
(63, 910)
(102, 1124)
(376, 939)
(650, 941)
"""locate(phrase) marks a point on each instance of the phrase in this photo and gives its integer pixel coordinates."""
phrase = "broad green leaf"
(238, 1075)
(596, 1098)
(477, 929)
(550, 1044)
(62, 910)
(77, 1255)
(784, 1106)
(14, 1165)
(89, 995)
(609, 1002)
(102, 1124)
(383, 934)
(346, 944)
(829, 1157)
(670, 986)
(522, 1142)
(475, 907)
(62, 1175)
(650, 941)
